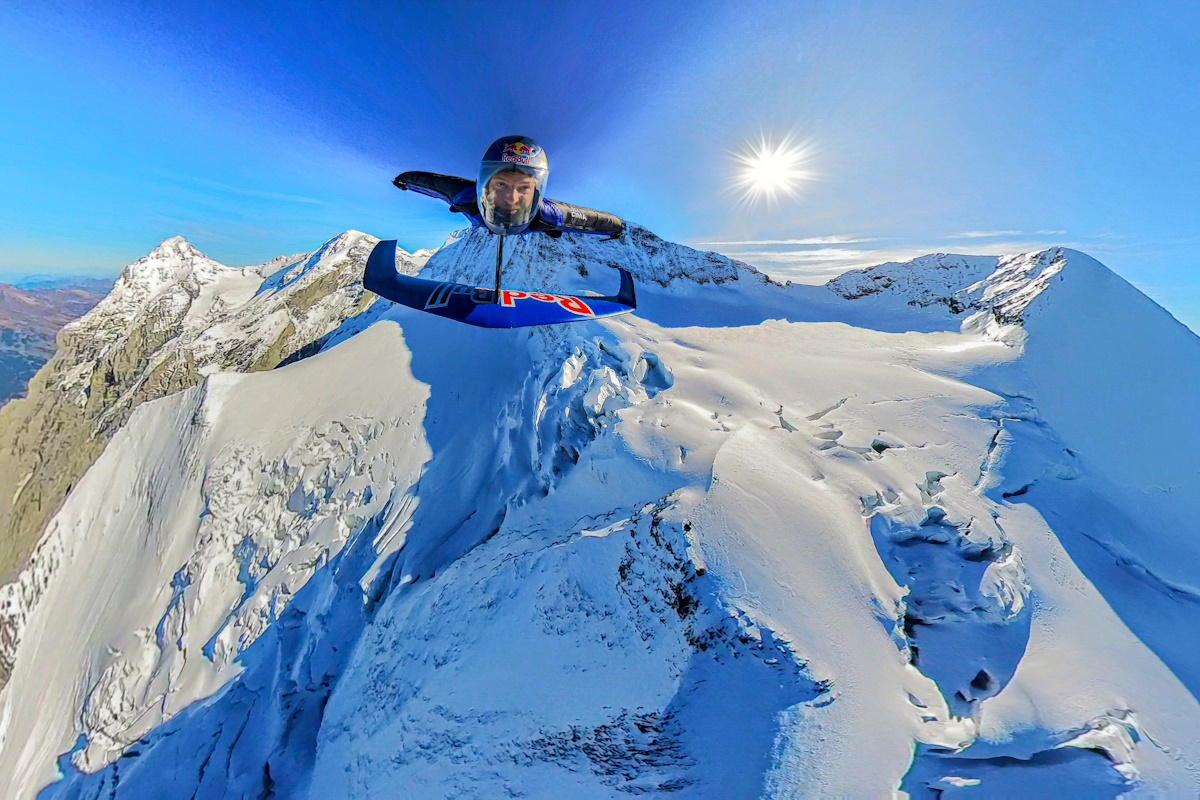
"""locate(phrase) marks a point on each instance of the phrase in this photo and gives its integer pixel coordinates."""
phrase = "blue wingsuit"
(497, 308)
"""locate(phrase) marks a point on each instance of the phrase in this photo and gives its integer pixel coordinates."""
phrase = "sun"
(769, 170)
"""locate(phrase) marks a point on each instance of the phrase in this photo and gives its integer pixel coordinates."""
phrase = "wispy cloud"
(241, 191)
(984, 234)
(821, 264)
(805, 256)
(1052, 233)
(812, 240)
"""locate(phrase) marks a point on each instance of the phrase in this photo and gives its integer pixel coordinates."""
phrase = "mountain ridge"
(170, 317)
(687, 552)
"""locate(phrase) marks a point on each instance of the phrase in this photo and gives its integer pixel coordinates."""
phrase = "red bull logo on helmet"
(518, 153)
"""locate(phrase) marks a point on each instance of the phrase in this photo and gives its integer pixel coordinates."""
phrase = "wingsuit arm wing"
(557, 216)
(443, 187)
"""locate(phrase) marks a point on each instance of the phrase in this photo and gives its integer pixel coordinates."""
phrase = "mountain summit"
(925, 528)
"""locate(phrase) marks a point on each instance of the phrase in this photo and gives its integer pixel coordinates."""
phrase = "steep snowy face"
(189, 537)
(841, 552)
(929, 280)
(1003, 285)
(172, 318)
(173, 270)
(1117, 378)
(563, 265)
(176, 310)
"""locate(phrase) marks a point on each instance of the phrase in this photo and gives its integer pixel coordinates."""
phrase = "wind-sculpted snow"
(859, 548)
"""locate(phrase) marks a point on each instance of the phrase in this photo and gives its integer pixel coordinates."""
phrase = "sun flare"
(769, 170)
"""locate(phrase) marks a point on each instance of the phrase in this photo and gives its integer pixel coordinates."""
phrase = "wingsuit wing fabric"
(443, 187)
(481, 307)
(559, 216)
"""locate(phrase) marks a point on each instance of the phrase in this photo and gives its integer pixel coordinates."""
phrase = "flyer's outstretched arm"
(553, 218)
(557, 216)
(443, 187)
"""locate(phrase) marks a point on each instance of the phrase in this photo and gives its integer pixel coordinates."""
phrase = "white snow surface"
(926, 530)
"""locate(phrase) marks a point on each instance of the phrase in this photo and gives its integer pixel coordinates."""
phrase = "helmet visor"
(509, 194)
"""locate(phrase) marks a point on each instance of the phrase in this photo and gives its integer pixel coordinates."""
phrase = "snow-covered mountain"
(172, 318)
(924, 529)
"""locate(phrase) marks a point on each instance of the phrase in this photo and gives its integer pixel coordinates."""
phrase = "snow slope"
(173, 317)
(885, 535)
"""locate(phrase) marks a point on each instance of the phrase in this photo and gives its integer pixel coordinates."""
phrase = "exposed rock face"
(172, 317)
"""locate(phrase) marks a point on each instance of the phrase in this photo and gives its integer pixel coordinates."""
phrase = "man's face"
(512, 192)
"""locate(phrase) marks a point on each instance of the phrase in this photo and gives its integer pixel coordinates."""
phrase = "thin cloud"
(820, 266)
(984, 234)
(205, 183)
(804, 256)
(806, 263)
(812, 240)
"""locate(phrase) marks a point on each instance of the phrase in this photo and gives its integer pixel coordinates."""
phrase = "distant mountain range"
(31, 313)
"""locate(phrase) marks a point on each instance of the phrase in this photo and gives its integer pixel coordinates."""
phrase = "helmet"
(512, 181)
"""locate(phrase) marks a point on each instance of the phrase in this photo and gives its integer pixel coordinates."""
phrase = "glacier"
(924, 530)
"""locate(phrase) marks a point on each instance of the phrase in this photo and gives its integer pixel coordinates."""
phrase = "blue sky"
(959, 127)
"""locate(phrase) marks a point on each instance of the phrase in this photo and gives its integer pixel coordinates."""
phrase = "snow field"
(172, 560)
(784, 559)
